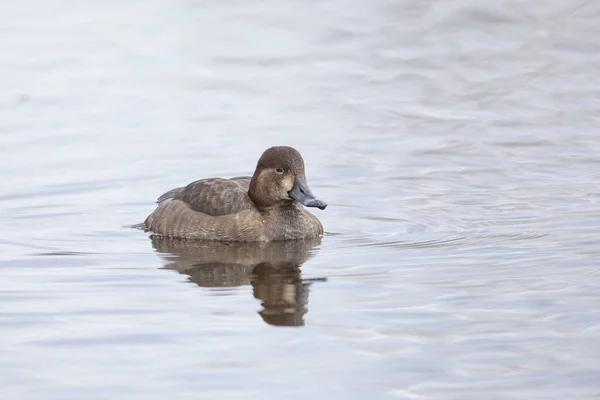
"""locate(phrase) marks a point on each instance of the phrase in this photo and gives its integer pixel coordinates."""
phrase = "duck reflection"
(273, 270)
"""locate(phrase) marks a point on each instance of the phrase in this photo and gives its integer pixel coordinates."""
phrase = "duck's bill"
(302, 193)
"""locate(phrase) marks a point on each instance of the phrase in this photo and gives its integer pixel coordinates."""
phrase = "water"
(456, 143)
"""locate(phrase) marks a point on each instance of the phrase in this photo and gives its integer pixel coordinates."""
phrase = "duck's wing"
(213, 196)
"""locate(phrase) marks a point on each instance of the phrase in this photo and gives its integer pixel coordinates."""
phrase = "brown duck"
(261, 208)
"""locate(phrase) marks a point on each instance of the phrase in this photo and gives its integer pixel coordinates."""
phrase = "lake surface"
(456, 142)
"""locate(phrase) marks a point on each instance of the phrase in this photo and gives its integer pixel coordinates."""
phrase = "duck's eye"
(279, 170)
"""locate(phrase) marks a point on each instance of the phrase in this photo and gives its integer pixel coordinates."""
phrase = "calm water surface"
(457, 143)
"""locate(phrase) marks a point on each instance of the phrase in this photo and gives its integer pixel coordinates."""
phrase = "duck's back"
(213, 196)
(213, 208)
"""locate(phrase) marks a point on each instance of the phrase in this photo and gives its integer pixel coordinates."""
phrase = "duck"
(268, 206)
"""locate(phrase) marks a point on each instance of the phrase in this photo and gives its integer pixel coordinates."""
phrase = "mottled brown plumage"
(264, 207)
(214, 196)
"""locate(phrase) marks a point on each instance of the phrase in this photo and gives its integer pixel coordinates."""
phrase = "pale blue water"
(456, 143)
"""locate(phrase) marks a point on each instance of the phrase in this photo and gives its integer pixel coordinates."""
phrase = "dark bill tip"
(320, 204)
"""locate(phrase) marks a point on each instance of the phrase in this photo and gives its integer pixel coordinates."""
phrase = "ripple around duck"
(63, 253)
(460, 241)
(444, 242)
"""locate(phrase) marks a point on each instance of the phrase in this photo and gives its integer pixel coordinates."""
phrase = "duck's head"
(279, 178)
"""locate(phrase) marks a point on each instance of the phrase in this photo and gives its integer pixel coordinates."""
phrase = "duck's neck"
(286, 209)
(290, 221)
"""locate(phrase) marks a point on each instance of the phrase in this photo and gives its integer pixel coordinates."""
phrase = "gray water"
(457, 145)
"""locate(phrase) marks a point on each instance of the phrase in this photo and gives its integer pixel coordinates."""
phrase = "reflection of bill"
(273, 270)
